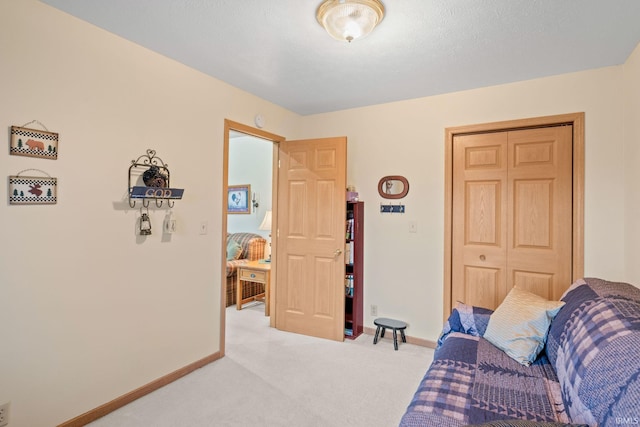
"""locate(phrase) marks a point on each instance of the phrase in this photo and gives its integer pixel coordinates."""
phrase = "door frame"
(574, 119)
(230, 125)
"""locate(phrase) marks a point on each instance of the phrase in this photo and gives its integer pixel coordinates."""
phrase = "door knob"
(337, 252)
(482, 257)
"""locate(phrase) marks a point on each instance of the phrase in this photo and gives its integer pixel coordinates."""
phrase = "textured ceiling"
(276, 50)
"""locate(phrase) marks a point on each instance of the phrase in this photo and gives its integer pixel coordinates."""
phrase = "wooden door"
(512, 214)
(310, 259)
(540, 210)
(479, 240)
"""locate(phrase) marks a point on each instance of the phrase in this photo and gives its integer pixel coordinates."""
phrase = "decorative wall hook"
(392, 208)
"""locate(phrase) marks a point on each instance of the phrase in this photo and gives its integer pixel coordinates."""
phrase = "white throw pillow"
(519, 326)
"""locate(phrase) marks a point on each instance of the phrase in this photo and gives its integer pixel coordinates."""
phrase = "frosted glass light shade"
(347, 20)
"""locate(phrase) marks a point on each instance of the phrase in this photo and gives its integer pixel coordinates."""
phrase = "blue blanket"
(594, 346)
(471, 381)
(589, 372)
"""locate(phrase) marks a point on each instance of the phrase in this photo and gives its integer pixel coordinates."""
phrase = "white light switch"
(204, 227)
(413, 227)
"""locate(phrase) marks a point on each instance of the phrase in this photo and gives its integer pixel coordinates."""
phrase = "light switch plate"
(204, 227)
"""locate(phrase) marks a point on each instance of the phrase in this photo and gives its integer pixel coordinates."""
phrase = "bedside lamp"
(266, 226)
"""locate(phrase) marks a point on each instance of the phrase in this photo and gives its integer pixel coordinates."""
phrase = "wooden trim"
(274, 230)
(577, 121)
(578, 196)
(223, 237)
(410, 340)
(123, 400)
(533, 122)
(448, 223)
(230, 125)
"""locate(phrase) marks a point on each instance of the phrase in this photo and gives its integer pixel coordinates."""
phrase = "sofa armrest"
(252, 245)
(232, 266)
(255, 249)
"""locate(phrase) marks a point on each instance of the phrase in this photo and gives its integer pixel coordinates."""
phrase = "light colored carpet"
(273, 378)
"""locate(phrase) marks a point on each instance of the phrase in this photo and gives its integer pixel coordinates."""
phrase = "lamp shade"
(266, 222)
(347, 20)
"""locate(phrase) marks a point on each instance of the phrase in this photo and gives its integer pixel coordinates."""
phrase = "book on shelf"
(349, 229)
(348, 253)
(348, 285)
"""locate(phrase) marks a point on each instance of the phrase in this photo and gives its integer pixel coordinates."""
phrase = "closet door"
(540, 210)
(512, 214)
(479, 240)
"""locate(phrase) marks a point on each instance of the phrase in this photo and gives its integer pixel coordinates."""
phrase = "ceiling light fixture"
(347, 20)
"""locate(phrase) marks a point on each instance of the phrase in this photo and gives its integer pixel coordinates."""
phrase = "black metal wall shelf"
(156, 177)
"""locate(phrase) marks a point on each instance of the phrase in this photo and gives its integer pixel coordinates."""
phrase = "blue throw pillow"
(466, 319)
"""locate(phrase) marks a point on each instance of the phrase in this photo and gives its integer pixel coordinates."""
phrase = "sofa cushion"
(234, 250)
(520, 324)
(593, 345)
(466, 319)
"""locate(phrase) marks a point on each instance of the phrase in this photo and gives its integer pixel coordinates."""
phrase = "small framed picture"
(238, 199)
(32, 190)
(33, 143)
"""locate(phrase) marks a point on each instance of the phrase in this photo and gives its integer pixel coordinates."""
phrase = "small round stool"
(396, 325)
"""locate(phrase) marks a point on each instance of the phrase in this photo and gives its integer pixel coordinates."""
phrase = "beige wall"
(90, 310)
(404, 271)
(631, 105)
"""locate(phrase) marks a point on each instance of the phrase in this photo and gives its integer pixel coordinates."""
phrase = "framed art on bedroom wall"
(33, 143)
(238, 199)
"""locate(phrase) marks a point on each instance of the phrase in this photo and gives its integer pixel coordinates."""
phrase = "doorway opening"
(256, 153)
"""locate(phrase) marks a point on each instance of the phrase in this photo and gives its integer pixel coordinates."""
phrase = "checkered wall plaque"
(32, 190)
(33, 143)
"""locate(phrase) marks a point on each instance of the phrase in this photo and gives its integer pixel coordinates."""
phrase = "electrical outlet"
(374, 310)
(4, 414)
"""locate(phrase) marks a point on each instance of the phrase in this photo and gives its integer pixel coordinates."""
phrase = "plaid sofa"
(252, 249)
(588, 373)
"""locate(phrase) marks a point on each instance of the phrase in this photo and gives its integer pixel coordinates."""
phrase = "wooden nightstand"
(254, 271)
